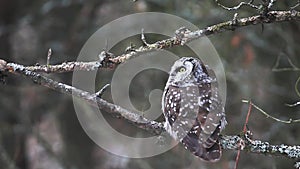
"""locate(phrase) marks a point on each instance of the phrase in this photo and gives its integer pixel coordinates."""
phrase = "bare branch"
(267, 4)
(250, 3)
(293, 104)
(143, 38)
(269, 116)
(101, 91)
(295, 6)
(258, 146)
(138, 120)
(182, 36)
(65, 67)
(271, 3)
(49, 56)
(234, 142)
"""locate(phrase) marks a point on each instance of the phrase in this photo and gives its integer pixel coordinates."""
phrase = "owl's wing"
(212, 127)
(212, 154)
(202, 139)
(212, 111)
(187, 118)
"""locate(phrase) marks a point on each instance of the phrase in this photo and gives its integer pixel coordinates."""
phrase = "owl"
(192, 108)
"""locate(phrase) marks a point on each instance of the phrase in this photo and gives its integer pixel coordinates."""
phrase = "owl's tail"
(211, 154)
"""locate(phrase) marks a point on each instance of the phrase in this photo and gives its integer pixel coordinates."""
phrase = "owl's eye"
(182, 69)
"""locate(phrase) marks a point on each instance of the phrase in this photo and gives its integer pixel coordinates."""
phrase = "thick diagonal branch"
(227, 142)
(138, 120)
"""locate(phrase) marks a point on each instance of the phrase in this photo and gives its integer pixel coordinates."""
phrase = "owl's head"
(188, 69)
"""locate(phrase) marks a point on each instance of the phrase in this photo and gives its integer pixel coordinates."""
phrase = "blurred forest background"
(39, 128)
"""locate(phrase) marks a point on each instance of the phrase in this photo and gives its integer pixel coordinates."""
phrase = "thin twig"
(102, 90)
(295, 6)
(297, 92)
(293, 105)
(269, 116)
(271, 3)
(143, 38)
(296, 86)
(250, 3)
(244, 132)
(49, 56)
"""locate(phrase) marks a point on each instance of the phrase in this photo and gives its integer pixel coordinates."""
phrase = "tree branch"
(93, 99)
(233, 142)
(182, 36)
(260, 147)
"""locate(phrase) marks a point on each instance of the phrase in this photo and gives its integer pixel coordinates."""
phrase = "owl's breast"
(182, 110)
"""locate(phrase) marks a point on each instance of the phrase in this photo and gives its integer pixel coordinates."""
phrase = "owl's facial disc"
(182, 70)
